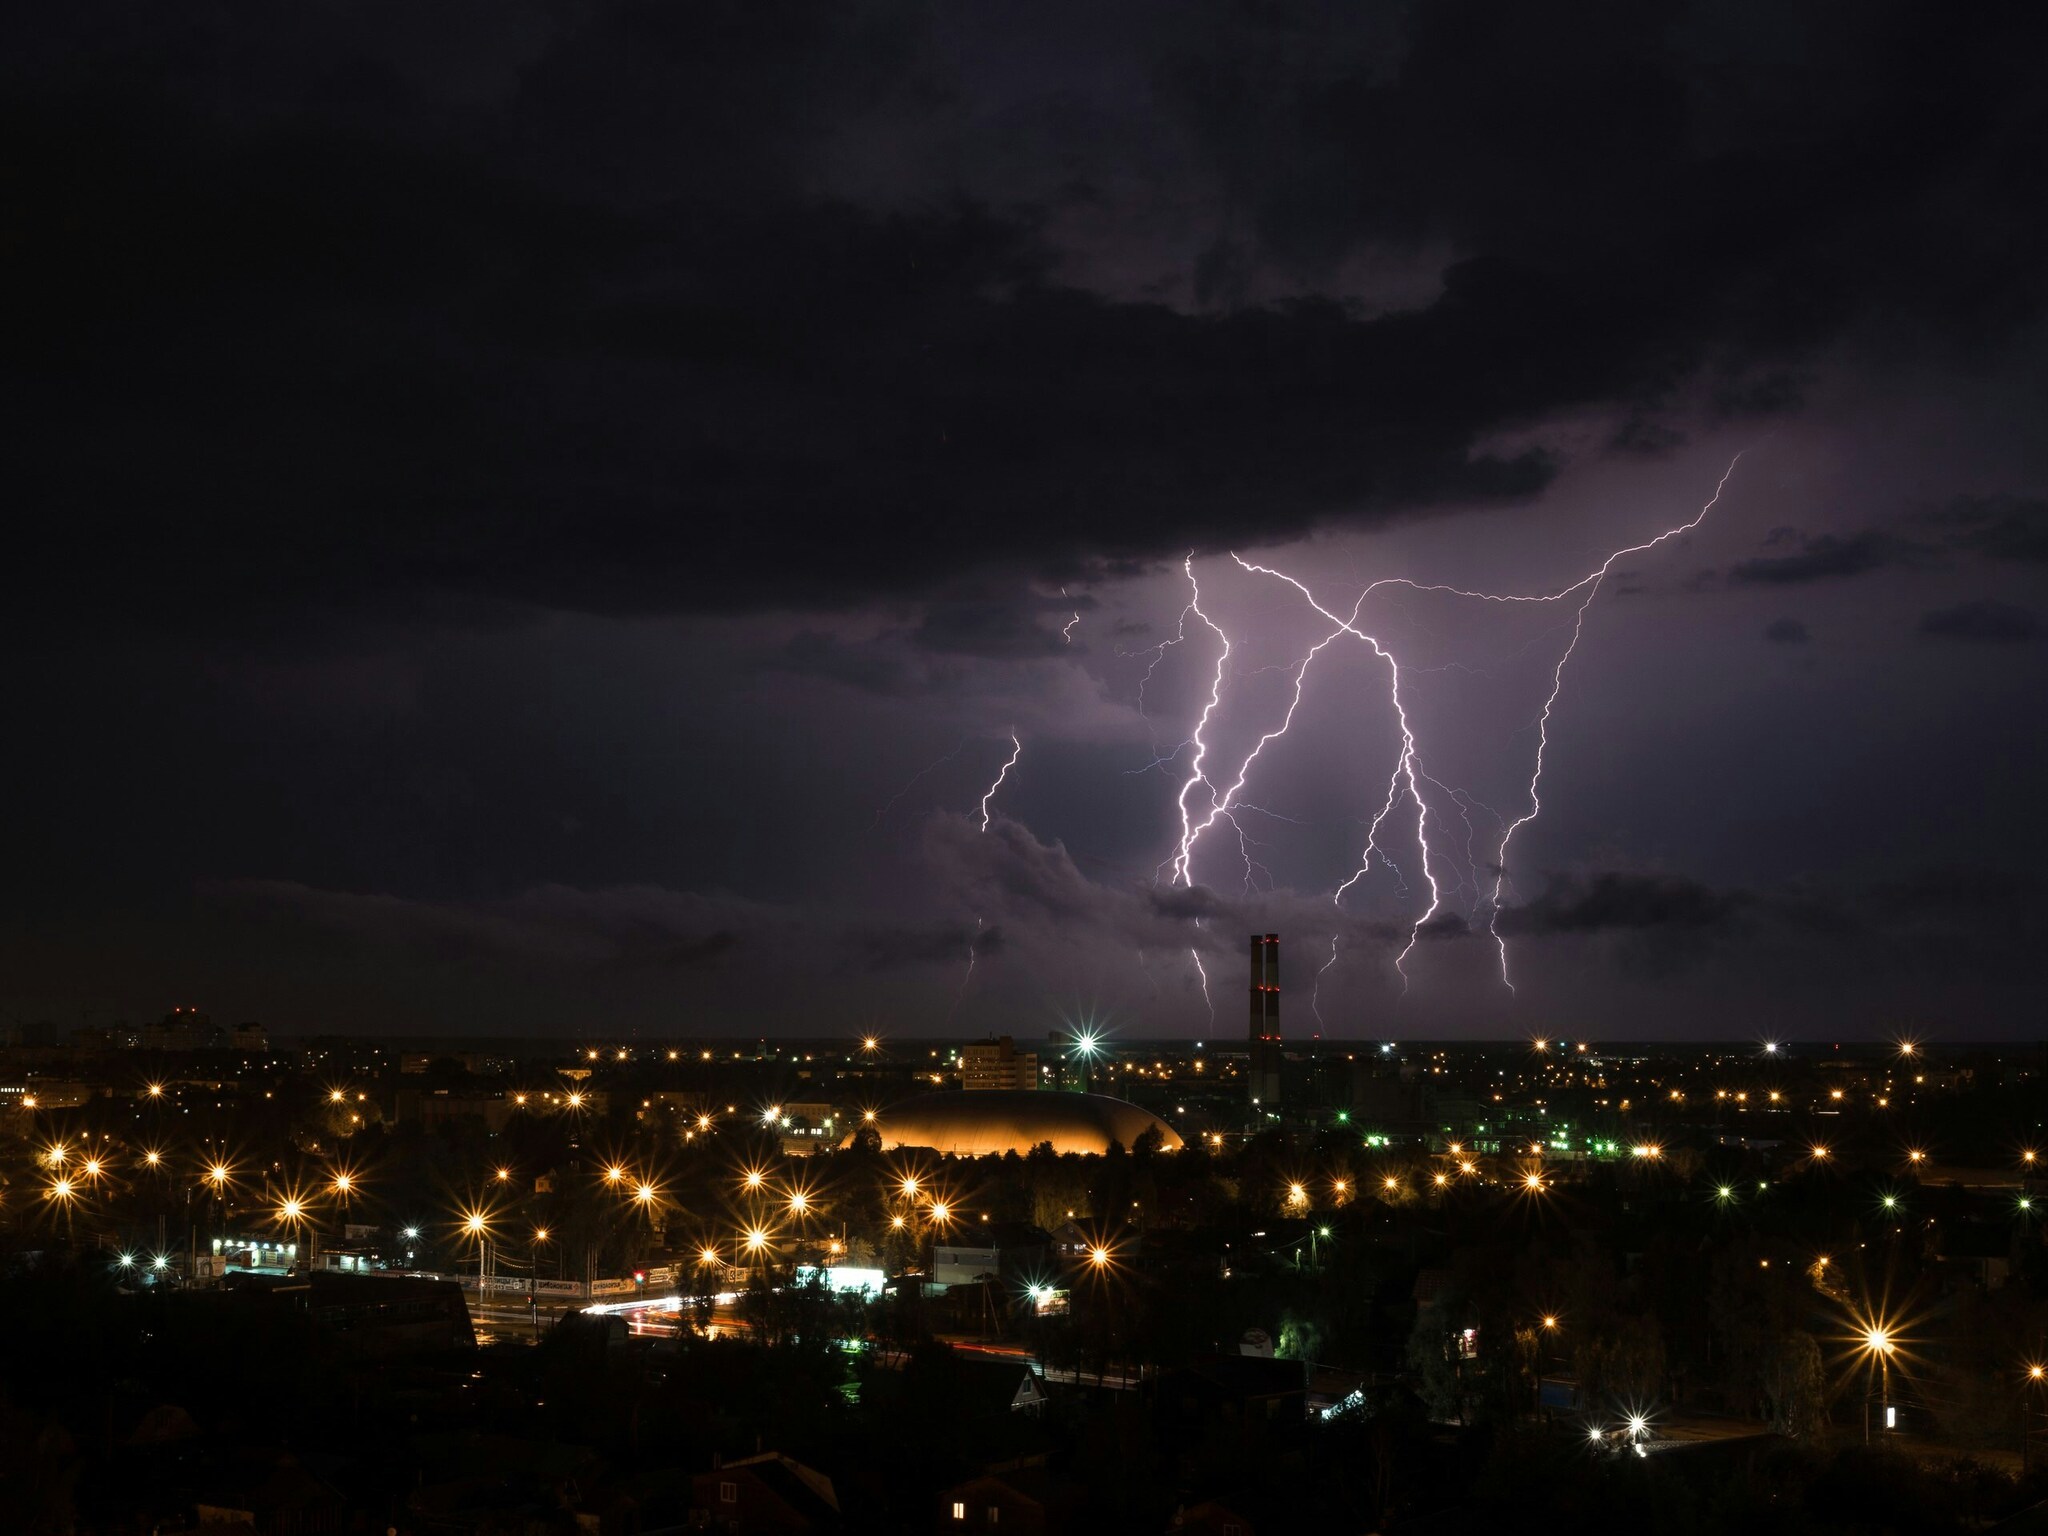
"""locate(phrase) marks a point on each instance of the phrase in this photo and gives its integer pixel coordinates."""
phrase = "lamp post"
(540, 1237)
(478, 1226)
(2037, 1376)
(1878, 1345)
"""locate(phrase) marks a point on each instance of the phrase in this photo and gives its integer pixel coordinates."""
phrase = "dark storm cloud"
(1620, 901)
(360, 352)
(886, 949)
(627, 929)
(1982, 620)
(2000, 527)
(604, 311)
(1827, 557)
(1787, 632)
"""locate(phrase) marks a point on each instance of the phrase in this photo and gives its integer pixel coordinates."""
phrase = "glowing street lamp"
(476, 1225)
(65, 1194)
(615, 1175)
(1879, 1346)
(1297, 1194)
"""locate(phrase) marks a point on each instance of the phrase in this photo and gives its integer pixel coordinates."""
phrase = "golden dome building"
(993, 1121)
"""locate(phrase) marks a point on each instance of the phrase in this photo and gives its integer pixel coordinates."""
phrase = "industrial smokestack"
(1263, 1080)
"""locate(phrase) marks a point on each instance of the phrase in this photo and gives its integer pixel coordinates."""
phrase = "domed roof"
(998, 1120)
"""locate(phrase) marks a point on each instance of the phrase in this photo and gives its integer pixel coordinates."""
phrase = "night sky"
(544, 517)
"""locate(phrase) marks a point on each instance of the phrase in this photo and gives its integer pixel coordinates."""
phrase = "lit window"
(959, 1510)
(728, 1493)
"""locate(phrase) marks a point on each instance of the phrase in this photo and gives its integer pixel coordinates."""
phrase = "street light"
(477, 1226)
(1879, 1345)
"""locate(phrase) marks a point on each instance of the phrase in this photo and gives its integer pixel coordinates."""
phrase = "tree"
(1795, 1386)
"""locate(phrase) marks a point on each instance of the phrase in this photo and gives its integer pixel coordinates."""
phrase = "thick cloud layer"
(554, 511)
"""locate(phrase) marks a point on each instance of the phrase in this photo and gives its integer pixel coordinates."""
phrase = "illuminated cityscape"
(1189, 768)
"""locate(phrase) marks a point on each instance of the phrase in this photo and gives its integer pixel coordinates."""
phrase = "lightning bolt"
(1591, 583)
(1406, 781)
(1407, 773)
(1016, 751)
(1067, 629)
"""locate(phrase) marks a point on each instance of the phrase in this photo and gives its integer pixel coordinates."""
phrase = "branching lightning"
(1407, 782)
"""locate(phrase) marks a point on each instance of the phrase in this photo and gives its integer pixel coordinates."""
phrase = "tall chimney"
(1263, 1080)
